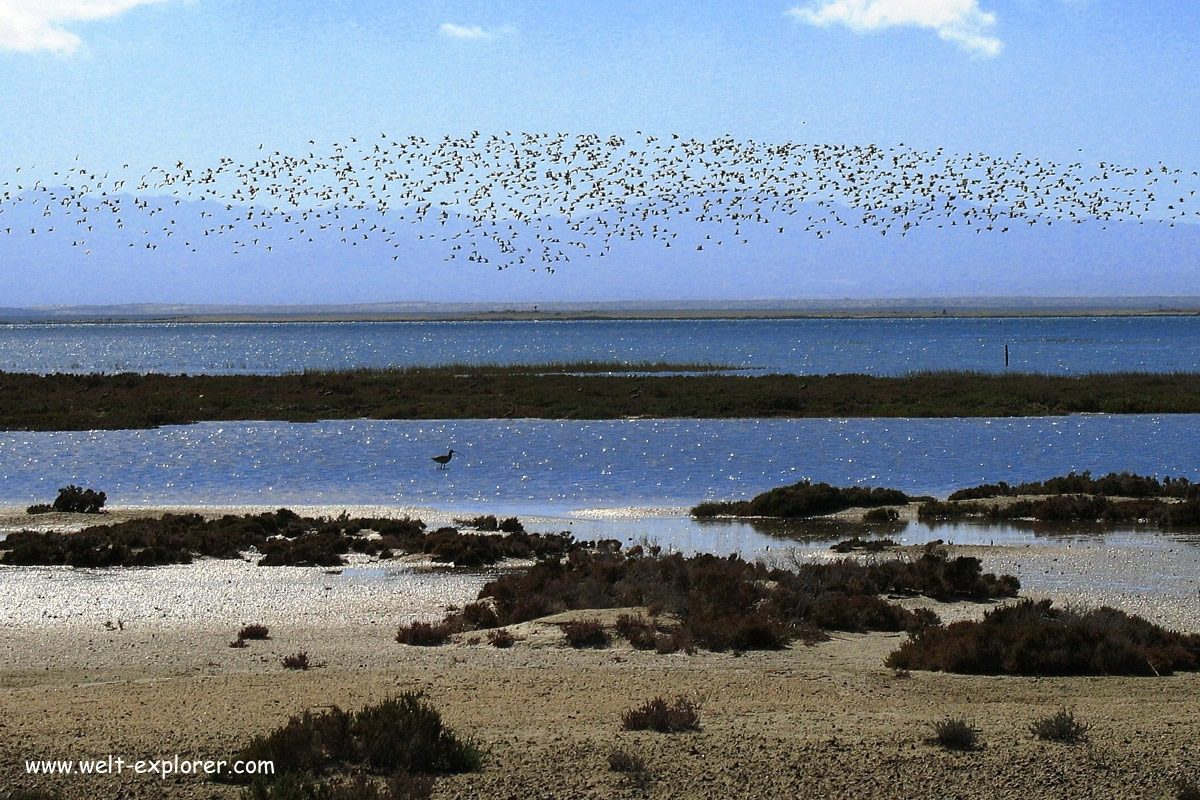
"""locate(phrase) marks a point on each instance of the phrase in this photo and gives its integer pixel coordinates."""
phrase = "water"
(1057, 345)
(554, 467)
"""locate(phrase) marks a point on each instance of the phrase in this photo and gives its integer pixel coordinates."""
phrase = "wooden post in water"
(1006, 355)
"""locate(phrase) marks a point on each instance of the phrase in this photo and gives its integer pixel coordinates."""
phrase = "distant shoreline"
(900, 308)
(596, 316)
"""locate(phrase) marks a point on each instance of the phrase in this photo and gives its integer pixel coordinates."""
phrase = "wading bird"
(443, 460)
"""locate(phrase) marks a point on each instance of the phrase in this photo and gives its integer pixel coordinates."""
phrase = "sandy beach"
(136, 664)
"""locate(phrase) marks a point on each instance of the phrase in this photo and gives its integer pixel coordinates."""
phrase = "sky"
(144, 82)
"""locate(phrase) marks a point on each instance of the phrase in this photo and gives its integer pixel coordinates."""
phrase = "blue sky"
(145, 82)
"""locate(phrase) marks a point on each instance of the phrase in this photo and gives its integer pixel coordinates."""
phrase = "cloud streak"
(962, 22)
(28, 26)
(449, 29)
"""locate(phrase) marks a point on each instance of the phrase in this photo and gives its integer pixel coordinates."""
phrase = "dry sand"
(136, 664)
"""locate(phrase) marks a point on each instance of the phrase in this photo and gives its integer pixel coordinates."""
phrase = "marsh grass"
(578, 391)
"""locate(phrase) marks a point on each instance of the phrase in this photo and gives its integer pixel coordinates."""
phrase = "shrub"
(283, 537)
(639, 632)
(729, 603)
(624, 761)
(955, 733)
(401, 735)
(804, 499)
(659, 715)
(482, 523)
(1187, 789)
(78, 500)
(254, 632)
(501, 637)
(865, 545)
(1060, 727)
(674, 641)
(512, 525)
(39, 508)
(479, 615)
(586, 633)
(1036, 639)
(424, 634)
(296, 661)
(882, 515)
(401, 786)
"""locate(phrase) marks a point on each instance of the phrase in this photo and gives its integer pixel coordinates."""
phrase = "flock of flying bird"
(541, 199)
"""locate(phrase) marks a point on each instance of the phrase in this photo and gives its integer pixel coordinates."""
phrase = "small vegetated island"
(1076, 497)
(1026, 638)
(1113, 498)
(804, 499)
(587, 390)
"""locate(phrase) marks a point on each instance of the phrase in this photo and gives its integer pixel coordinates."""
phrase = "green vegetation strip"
(566, 391)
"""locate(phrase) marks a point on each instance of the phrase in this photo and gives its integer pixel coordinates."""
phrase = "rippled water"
(1063, 345)
(554, 466)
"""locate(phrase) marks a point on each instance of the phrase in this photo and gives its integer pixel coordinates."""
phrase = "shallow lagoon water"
(892, 346)
(550, 467)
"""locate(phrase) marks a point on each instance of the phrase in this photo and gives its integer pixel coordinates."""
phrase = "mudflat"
(821, 721)
(139, 667)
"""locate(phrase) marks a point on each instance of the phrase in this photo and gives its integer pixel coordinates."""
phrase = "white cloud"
(958, 21)
(31, 25)
(465, 31)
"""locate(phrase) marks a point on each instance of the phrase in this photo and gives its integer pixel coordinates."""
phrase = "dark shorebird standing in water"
(443, 460)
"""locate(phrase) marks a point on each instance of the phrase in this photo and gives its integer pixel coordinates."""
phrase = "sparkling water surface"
(1056, 345)
(533, 466)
